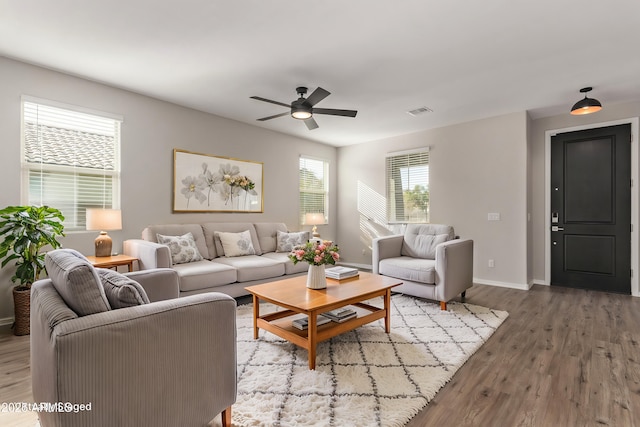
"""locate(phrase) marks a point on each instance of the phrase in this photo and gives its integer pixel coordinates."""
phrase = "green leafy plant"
(26, 230)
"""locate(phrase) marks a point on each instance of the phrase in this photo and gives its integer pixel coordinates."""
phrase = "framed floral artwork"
(207, 183)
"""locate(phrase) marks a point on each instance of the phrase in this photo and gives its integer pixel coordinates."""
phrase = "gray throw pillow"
(422, 245)
(121, 291)
(236, 244)
(183, 248)
(285, 242)
(76, 281)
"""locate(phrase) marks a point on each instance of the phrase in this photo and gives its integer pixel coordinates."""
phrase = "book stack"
(340, 273)
(340, 315)
(302, 323)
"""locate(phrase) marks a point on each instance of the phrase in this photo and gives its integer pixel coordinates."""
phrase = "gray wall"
(475, 168)
(151, 130)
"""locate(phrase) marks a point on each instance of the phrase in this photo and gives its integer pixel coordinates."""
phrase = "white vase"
(316, 278)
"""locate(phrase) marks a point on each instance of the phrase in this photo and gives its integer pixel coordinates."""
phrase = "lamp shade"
(586, 105)
(104, 219)
(314, 218)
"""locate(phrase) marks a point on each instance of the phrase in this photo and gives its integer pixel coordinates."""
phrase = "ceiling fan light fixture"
(586, 105)
(300, 114)
(300, 110)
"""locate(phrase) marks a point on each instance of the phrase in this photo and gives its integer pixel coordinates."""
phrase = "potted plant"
(26, 230)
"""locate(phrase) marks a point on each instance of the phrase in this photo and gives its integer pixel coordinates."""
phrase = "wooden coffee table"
(293, 295)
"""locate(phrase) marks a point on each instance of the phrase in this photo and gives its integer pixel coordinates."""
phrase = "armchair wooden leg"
(226, 417)
(443, 305)
(463, 295)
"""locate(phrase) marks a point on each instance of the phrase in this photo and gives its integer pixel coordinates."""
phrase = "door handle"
(556, 228)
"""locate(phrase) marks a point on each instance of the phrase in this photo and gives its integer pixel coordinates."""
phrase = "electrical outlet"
(493, 216)
(491, 263)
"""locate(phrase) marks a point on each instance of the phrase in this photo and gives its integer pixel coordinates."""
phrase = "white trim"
(76, 108)
(635, 206)
(7, 321)
(403, 152)
(356, 265)
(521, 286)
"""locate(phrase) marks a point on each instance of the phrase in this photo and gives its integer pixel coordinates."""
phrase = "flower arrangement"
(316, 253)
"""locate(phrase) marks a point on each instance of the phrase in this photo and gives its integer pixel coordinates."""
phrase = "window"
(70, 159)
(314, 187)
(407, 177)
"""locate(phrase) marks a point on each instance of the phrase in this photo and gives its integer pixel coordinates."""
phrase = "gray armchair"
(429, 260)
(164, 363)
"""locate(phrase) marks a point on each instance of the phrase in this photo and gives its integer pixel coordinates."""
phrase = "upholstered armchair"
(99, 340)
(429, 260)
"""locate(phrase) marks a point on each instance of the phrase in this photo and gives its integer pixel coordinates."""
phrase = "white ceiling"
(463, 59)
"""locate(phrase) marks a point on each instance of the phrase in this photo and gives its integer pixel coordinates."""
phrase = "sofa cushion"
(422, 245)
(236, 244)
(266, 232)
(151, 232)
(204, 274)
(408, 268)
(77, 281)
(120, 290)
(289, 266)
(288, 241)
(183, 248)
(420, 240)
(213, 242)
(252, 267)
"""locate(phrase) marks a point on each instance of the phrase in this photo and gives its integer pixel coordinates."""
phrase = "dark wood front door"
(591, 209)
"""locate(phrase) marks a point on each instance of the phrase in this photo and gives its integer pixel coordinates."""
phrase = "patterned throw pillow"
(236, 244)
(121, 291)
(183, 248)
(287, 241)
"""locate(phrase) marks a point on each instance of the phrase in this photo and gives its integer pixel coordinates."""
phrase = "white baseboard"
(521, 286)
(539, 282)
(356, 265)
(7, 321)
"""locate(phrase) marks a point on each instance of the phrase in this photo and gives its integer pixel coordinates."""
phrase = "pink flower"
(321, 247)
(317, 258)
(335, 255)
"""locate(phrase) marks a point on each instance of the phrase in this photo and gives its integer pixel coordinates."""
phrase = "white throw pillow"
(236, 244)
(183, 248)
(287, 241)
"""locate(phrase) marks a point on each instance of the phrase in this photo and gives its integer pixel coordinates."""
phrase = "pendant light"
(586, 105)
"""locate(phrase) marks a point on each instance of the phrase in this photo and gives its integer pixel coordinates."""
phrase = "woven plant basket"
(22, 308)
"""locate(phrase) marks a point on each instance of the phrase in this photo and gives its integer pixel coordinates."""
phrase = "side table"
(113, 261)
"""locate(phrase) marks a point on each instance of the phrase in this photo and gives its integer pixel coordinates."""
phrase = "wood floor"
(564, 357)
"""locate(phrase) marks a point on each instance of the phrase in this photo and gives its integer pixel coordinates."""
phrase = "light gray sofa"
(217, 271)
(162, 363)
(429, 260)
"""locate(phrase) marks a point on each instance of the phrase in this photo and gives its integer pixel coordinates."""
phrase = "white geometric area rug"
(364, 377)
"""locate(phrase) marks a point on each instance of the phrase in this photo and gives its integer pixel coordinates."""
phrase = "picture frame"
(208, 183)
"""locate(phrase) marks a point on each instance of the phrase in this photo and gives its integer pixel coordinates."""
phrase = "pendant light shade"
(586, 105)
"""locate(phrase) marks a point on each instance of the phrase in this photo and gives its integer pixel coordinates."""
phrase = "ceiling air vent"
(421, 110)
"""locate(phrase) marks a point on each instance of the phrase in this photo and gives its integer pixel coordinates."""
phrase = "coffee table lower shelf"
(279, 323)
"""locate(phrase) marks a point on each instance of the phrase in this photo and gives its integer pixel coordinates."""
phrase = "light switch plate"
(493, 216)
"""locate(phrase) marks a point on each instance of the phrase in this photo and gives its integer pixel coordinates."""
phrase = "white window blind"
(407, 177)
(70, 160)
(314, 187)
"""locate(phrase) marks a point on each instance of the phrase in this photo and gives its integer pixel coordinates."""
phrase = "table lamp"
(103, 220)
(314, 219)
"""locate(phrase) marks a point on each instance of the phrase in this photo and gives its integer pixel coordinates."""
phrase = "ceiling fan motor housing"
(300, 109)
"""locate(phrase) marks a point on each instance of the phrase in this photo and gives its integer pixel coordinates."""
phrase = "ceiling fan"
(303, 108)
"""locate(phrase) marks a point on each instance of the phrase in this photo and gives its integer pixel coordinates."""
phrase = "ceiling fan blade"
(274, 116)
(334, 112)
(271, 101)
(311, 123)
(318, 95)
